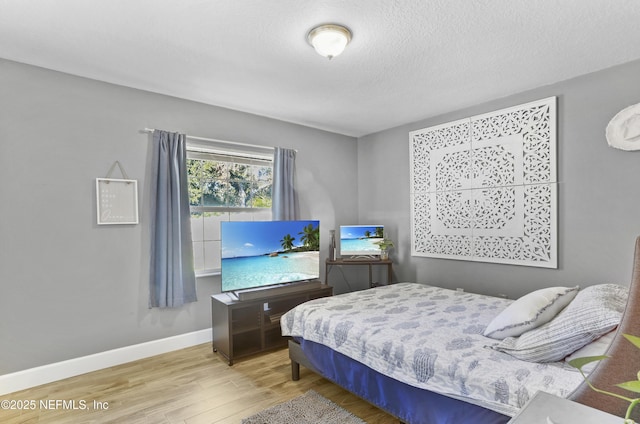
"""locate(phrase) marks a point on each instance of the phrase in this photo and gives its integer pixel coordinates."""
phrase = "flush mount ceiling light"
(329, 40)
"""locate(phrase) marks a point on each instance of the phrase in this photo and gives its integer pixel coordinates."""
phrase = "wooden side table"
(544, 408)
(369, 262)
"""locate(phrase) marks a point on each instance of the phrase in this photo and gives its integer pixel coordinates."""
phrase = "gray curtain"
(284, 197)
(172, 279)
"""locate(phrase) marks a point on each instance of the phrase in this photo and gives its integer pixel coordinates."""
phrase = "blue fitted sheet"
(410, 404)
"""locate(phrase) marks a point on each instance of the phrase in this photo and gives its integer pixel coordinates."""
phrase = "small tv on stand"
(358, 241)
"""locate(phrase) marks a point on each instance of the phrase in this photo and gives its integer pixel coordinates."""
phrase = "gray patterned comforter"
(429, 337)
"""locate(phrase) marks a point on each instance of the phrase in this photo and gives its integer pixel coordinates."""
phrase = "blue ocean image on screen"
(360, 239)
(360, 245)
(256, 271)
(253, 254)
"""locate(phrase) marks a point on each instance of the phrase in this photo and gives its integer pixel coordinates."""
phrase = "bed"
(425, 354)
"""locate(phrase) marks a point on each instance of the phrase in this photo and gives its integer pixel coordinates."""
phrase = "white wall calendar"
(117, 201)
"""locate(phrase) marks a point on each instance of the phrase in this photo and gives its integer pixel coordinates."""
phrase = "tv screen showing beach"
(265, 253)
(358, 240)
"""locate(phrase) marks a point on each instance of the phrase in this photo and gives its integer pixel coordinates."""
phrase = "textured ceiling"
(408, 60)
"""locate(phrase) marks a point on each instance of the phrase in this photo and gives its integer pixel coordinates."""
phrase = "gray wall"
(599, 192)
(71, 288)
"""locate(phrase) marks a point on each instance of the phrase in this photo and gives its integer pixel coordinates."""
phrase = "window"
(227, 186)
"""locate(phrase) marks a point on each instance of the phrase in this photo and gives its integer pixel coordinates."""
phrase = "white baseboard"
(32, 377)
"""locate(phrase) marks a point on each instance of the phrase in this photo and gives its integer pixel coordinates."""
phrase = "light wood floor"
(189, 386)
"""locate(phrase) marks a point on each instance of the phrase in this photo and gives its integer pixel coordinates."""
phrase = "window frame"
(234, 155)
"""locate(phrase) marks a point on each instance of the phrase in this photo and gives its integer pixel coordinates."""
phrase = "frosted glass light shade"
(329, 40)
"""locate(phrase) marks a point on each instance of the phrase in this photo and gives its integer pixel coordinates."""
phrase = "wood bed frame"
(622, 366)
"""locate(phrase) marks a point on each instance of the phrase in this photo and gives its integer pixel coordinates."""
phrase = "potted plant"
(632, 386)
(385, 244)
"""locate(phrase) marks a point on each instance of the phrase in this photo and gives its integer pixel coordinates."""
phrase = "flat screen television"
(265, 253)
(358, 240)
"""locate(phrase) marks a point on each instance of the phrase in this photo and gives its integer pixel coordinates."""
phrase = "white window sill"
(208, 273)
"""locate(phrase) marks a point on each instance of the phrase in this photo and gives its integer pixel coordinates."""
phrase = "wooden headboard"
(624, 362)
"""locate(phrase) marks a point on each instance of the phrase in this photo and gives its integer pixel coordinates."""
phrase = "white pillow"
(597, 347)
(594, 312)
(530, 311)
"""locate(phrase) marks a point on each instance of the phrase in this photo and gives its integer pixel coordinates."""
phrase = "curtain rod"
(235, 143)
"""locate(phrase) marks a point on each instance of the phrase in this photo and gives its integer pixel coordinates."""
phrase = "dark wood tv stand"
(243, 328)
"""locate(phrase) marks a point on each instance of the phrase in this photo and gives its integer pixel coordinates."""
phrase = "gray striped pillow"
(595, 311)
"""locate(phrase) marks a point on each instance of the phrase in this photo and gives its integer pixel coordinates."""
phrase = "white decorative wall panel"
(484, 188)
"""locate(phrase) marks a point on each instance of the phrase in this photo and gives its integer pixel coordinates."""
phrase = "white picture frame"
(116, 201)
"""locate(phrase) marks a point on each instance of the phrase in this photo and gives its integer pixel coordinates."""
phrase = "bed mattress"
(430, 338)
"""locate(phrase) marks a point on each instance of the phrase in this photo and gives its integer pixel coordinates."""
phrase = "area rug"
(309, 408)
